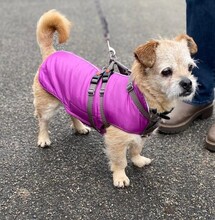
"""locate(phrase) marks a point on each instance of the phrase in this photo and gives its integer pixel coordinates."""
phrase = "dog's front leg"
(79, 126)
(116, 147)
(135, 150)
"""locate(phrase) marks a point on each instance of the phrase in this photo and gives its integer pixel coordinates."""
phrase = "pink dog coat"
(67, 77)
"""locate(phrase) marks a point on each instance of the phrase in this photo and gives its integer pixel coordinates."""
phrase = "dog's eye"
(167, 71)
(190, 67)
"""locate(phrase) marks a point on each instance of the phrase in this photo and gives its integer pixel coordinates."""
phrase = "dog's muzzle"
(186, 85)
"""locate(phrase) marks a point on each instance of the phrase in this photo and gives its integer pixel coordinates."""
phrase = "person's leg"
(200, 26)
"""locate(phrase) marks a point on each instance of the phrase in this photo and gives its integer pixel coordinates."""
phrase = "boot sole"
(210, 145)
(202, 114)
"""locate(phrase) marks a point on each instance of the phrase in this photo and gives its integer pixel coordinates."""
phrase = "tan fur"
(154, 97)
(190, 42)
(49, 23)
(145, 53)
(160, 92)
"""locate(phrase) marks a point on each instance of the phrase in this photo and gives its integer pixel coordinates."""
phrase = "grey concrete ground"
(71, 180)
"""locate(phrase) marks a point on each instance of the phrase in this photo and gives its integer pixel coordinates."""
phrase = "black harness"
(153, 116)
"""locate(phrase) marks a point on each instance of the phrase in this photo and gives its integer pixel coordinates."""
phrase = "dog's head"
(168, 66)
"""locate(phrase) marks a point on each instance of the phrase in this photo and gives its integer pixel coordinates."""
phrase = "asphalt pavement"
(71, 179)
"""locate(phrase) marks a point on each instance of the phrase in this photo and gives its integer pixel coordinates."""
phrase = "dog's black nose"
(186, 83)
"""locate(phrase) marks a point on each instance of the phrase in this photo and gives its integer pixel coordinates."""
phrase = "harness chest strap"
(105, 78)
(130, 89)
(152, 117)
(105, 75)
(91, 92)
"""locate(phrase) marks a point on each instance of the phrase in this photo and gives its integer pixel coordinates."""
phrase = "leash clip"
(111, 51)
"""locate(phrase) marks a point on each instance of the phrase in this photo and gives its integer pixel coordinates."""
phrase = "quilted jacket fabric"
(67, 77)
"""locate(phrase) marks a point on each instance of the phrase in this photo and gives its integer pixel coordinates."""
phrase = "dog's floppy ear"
(145, 53)
(190, 43)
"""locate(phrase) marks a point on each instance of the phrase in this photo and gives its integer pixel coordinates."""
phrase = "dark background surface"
(71, 179)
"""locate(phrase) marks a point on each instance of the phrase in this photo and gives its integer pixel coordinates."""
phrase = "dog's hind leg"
(44, 114)
(135, 150)
(79, 126)
(44, 117)
(45, 108)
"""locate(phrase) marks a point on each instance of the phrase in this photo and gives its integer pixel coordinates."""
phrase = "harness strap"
(91, 92)
(130, 89)
(105, 77)
(153, 124)
(152, 117)
(122, 68)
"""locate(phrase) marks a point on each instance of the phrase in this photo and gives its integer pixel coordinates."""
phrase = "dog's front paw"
(79, 127)
(83, 130)
(120, 179)
(140, 161)
(43, 142)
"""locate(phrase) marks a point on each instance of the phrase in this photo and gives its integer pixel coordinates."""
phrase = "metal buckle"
(130, 87)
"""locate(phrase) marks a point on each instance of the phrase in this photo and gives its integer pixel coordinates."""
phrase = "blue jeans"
(201, 27)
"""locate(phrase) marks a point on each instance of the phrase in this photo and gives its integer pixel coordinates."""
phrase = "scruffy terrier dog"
(161, 75)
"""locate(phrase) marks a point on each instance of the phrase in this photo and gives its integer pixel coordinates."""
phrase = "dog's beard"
(175, 91)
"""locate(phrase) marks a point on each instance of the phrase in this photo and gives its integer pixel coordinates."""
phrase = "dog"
(161, 72)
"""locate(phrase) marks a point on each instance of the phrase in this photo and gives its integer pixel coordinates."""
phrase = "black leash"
(103, 20)
(113, 58)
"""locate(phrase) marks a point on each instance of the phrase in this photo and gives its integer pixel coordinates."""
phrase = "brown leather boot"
(183, 115)
(210, 139)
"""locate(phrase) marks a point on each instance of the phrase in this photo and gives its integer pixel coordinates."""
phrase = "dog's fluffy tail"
(50, 22)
